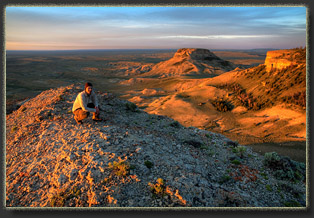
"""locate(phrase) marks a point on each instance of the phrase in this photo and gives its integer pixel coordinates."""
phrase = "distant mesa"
(195, 53)
(191, 62)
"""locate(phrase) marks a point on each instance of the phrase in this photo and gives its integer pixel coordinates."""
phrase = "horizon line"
(119, 49)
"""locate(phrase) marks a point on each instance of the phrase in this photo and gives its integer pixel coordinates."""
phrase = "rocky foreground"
(135, 159)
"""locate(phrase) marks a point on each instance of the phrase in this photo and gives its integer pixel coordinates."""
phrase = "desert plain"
(181, 86)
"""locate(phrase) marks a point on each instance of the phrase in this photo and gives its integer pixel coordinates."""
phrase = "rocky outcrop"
(133, 159)
(192, 62)
(279, 59)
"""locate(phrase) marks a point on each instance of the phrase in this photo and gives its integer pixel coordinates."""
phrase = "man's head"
(88, 88)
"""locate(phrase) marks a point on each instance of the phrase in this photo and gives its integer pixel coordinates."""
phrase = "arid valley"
(196, 87)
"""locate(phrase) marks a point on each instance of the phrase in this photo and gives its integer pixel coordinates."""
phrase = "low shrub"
(120, 168)
(60, 199)
(222, 105)
(148, 164)
(271, 159)
(245, 99)
(268, 187)
(164, 192)
(236, 162)
(175, 124)
(239, 150)
(158, 188)
(284, 168)
(194, 143)
(292, 204)
(298, 98)
(224, 179)
(131, 106)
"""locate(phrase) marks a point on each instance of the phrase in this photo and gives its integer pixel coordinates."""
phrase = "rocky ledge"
(280, 59)
(135, 159)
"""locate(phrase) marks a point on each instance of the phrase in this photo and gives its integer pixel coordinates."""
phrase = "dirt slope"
(134, 159)
(264, 104)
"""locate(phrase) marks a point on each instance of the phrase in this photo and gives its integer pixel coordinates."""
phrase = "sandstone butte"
(278, 59)
(191, 62)
(135, 159)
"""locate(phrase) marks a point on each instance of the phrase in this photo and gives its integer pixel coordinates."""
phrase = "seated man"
(86, 102)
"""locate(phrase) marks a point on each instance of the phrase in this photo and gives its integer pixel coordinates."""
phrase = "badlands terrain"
(253, 97)
(176, 125)
(136, 159)
(258, 106)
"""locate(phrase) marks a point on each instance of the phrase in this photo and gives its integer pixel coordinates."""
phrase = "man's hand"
(97, 110)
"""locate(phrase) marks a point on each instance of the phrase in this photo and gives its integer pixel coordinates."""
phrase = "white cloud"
(216, 36)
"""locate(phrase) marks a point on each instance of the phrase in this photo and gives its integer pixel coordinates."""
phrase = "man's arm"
(94, 99)
(83, 104)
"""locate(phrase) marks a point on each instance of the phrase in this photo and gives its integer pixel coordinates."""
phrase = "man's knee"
(80, 114)
(84, 114)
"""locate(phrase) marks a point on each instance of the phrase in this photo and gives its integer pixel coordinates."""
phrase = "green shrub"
(223, 179)
(204, 147)
(271, 159)
(132, 167)
(264, 176)
(240, 150)
(194, 143)
(292, 204)
(175, 124)
(208, 136)
(131, 106)
(148, 164)
(234, 150)
(284, 168)
(268, 187)
(236, 162)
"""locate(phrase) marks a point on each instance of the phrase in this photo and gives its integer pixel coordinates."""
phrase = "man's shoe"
(97, 119)
(78, 121)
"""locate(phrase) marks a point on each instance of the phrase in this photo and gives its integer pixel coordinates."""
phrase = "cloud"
(217, 36)
(175, 26)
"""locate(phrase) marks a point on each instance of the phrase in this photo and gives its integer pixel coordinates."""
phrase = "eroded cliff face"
(279, 59)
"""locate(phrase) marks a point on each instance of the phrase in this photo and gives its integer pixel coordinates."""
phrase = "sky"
(71, 28)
